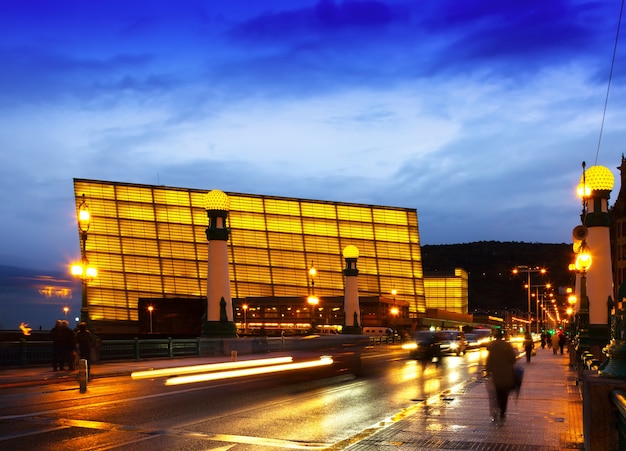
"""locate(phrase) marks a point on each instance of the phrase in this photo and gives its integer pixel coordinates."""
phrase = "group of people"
(556, 341)
(66, 344)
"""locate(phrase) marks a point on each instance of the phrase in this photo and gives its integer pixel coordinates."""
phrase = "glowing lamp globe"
(217, 200)
(583, 259)
(351, 252)
(596, 178)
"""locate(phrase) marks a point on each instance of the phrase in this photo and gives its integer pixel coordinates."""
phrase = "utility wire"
(608, 88)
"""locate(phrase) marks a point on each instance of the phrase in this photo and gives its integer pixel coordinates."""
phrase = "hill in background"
(492, 284)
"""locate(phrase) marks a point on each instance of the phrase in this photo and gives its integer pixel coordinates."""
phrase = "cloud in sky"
(477, 114)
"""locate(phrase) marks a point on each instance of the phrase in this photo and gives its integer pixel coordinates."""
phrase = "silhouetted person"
(500, 363)
(562, 341)
(529, 345)
(57, 349)
(65, 340)
(84, 341)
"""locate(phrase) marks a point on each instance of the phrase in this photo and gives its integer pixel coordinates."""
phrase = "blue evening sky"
(476, 113)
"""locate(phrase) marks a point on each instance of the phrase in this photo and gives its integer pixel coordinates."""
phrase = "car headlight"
(453, 345)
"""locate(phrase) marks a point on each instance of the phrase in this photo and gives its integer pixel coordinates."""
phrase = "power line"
(608, 88)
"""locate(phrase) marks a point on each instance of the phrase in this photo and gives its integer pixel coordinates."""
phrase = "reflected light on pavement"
(323, 361)
(164, 372)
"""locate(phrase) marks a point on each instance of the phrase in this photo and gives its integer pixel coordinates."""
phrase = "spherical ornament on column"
(217, 200)
(350, 251)
(597, 178)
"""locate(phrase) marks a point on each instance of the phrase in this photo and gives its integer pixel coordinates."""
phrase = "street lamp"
(66, 309)
(312, 300)
(84, 271)
(582, 265)
(245, 318)
(529, 271)
(394, 312)
(150, 310)
(536, 295)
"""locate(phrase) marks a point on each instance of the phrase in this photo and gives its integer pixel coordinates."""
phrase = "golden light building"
(149, 241)
(447, 292)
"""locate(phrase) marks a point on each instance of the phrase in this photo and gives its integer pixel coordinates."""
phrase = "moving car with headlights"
(424, 345)
(452, 341)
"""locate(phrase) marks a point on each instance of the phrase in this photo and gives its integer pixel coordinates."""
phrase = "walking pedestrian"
(555, 343)
(500, 363)
(529, 345)
(562, 341)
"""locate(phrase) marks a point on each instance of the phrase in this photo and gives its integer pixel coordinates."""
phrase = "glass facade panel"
(284, 224)
(323, 227)
(134, 194)
(247, 221)
(356, 230)
(389, 216)
(282, 207)
(173, 215)
(171, 197)
(246, 204)
(285, 241)
(248, 238)
(318, 210)
(128, 210)
(354, 213)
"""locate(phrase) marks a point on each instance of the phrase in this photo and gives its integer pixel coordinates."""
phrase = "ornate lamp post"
(84, 271)
(582, 265)
(245, 318)
(219, 321)
(595, 187)
(150, 310)
(312, 300)
(351, 308)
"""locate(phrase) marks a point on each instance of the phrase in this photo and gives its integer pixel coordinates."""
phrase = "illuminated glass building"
(148, 242)
(447, 292)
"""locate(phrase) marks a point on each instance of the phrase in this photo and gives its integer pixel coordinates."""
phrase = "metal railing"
(26, 353)
(619, 400)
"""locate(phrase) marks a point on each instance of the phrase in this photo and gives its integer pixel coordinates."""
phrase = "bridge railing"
(25, 353)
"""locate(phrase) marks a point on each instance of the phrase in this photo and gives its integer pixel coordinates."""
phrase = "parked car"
(424, 345)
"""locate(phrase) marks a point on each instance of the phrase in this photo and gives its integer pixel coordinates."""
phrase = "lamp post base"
(353, 330)
(219, 329)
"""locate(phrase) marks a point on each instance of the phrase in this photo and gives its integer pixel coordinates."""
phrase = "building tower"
(351, 308)
(618, 232)
(219, 315)
(597, 183)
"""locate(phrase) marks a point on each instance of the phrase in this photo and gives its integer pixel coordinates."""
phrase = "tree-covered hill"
(492, 284)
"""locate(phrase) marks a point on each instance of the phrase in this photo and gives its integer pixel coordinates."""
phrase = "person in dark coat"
(529, 345)
(84, 342)
(500, 367)
(57, 349)
(66, 341)
(562, 341)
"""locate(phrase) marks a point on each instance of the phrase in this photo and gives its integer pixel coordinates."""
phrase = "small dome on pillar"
(598, 178)
(217, 200)
(350, 252)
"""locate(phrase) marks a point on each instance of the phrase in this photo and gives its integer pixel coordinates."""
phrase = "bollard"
(83, 377)
(233, 355)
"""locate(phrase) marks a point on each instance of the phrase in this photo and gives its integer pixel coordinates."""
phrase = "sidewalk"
(547, 415)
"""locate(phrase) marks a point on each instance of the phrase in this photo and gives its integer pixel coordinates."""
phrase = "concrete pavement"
(546, 416)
